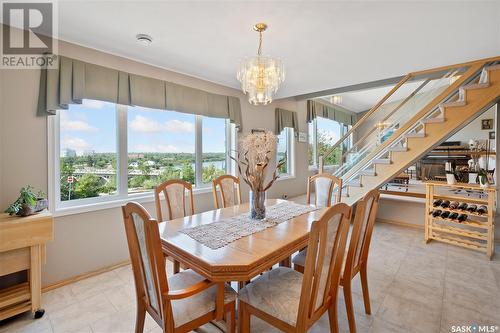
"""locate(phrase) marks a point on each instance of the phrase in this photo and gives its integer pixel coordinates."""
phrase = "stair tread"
(453, 104)
(415, 135)
(382, 161)
(367, 172)
(492, 67)
(476, 86)
(398, 148)
(433, 120)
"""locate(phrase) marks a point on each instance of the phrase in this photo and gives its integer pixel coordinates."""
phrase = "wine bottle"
(445, 214)
(453, 216)
(462, 217)
(436, 212)
(437, 202)
(445, 204)
(471, 208)
(454, 204)
(462, 206)
(482, 209)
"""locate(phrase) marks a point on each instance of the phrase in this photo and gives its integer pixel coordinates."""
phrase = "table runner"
(218, 234)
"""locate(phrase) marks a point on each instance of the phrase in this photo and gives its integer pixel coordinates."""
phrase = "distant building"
(69, 152)
(89, 153)
(135, 155)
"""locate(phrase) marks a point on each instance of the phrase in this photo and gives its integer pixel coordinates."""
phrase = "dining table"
(243, 258)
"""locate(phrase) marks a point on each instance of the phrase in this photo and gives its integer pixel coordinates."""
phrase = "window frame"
(343, 130)
(61, 208)
(289, 137)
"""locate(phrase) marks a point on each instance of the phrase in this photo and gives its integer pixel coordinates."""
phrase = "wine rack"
(477, 232)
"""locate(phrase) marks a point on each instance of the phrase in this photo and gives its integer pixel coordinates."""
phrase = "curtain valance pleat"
(285, 118)
(76, 80)
(318, 109)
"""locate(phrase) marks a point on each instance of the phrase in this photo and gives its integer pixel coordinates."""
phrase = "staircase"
(437, 104)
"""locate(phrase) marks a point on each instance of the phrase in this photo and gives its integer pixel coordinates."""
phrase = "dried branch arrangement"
(254, 154)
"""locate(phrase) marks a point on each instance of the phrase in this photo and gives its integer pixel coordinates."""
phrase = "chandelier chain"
(259, 51)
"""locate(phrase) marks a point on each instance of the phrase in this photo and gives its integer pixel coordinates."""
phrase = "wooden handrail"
(469, 73)
(396, 87)
(369, 113)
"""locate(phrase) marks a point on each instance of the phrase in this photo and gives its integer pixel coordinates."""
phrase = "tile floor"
(414, 288)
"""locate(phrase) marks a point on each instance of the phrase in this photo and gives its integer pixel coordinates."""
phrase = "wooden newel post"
(320, 164)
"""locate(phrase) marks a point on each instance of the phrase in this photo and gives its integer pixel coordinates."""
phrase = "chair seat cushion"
(190, 308)
(300, 258)
(276, 293)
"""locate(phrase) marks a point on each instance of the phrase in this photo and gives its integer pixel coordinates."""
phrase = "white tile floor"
(414, 288)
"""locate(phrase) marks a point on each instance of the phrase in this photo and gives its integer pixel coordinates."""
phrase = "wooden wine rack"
(477, 232)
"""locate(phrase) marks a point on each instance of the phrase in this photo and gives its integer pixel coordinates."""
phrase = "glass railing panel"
(408, 100)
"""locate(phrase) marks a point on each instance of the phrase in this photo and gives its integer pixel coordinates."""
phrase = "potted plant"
(28, 202)
(254, 156)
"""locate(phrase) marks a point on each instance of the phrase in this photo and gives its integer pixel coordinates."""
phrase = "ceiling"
(324, 44)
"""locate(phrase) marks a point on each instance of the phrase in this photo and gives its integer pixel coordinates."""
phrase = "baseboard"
(401, 224)
(83, 276)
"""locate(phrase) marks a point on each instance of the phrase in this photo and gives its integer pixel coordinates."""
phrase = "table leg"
(35, 280)
(286, 262)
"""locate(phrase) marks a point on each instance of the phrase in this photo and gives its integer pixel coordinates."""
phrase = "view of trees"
(325, 144)
(95, 174)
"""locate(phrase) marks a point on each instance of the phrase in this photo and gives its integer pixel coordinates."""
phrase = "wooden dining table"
(242, 259)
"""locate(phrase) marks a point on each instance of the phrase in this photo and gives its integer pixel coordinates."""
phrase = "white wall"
(474, 131)
(90, 241)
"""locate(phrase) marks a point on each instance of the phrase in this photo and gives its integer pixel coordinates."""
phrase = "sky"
(92, 127)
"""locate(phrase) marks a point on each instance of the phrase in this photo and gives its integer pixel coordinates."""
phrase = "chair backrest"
(364, 220)
(230, 191)
(324, 186)
(148, 264)
(174, 192)
(325, 255)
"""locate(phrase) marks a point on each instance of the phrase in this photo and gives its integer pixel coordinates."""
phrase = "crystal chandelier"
(260, 76)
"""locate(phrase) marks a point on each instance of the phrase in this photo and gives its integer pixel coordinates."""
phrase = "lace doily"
(218, 234)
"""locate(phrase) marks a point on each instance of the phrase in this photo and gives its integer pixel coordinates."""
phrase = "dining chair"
(357, 254)
(291, 301)
(181, 302)
(324, 185)
(174, 193)
(230, 191)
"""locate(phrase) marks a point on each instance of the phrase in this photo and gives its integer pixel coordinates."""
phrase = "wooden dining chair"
(174, 193)
(181, 302)
(230, 191)
(357, 254)
(324, 185)
(291, 301)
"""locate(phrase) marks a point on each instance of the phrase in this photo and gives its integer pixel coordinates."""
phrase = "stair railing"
(470, 68)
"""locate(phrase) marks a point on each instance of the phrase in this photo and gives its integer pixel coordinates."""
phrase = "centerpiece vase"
(257, 205)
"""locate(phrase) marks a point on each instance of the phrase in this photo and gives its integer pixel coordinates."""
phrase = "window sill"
(118, 202)
(285, 177)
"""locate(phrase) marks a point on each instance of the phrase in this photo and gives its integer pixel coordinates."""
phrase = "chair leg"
(348, 306)
(140, 317)
(364, 286)
(286, 263)
(177, 267)
(298, 268)
(332, 316)
(232, 325)
(243, 318)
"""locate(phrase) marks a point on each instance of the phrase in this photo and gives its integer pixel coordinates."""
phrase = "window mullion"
(198, 151)
(122, 158)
